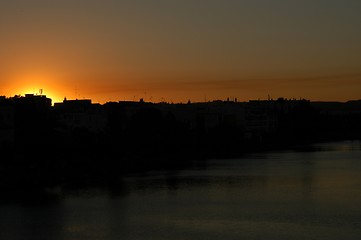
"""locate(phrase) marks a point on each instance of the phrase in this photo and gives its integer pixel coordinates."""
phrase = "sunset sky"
(168, 50)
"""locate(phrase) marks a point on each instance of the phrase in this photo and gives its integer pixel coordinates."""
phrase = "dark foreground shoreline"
(62, 147)
(56, 171)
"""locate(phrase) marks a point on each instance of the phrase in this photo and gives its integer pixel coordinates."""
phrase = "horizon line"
(142, 100)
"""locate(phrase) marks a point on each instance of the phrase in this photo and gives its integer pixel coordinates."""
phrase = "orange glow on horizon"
(35, 84)
(57, 87)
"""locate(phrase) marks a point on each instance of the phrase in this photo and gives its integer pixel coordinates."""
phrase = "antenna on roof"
(41, 91)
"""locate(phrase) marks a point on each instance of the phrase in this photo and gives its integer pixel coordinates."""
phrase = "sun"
(39, 90)
(37, 85)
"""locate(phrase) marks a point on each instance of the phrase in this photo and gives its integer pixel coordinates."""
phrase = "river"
(307, 193)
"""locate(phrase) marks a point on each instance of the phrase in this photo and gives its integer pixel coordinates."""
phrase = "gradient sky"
(179, 50)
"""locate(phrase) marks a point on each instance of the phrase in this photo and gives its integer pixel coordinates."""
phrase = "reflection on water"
(279, 195)
(339, 146)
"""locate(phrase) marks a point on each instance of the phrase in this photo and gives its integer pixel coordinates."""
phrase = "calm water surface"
(280, 195)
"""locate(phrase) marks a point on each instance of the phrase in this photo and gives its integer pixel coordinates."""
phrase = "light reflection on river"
(278, 195)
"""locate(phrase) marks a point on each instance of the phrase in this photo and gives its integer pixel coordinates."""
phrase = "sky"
(175, 51)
